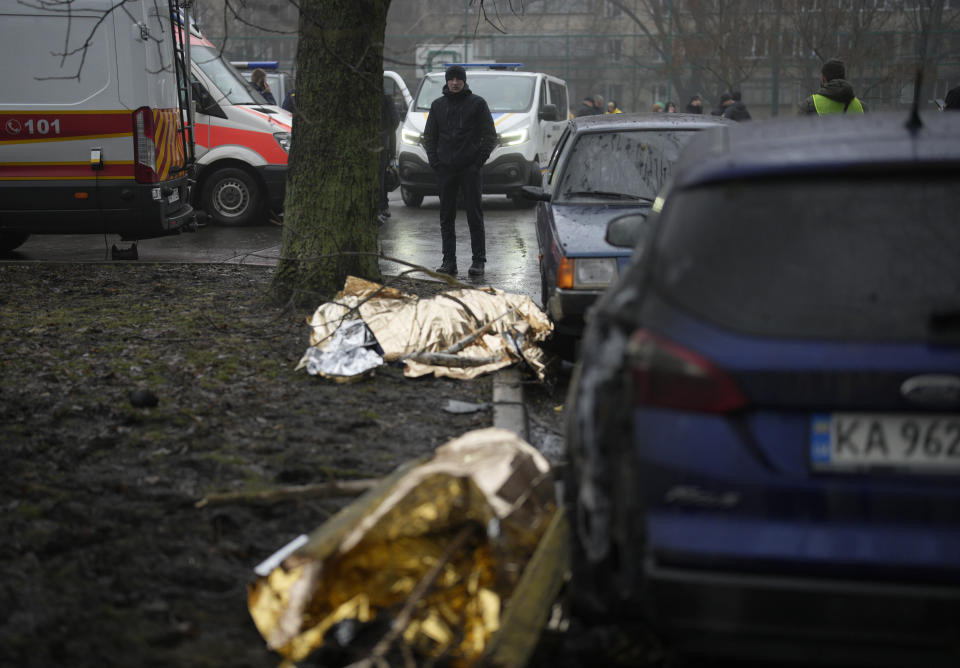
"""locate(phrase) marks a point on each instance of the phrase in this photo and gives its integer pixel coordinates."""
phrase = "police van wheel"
(11, 240)
(232, 197)
(411, 198)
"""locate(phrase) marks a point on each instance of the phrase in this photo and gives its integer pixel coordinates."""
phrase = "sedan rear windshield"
(503, 92)
(850, 258)
(627, 164)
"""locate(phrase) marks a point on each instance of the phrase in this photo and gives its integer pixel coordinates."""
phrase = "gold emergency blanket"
(434, 335)
(487, 486)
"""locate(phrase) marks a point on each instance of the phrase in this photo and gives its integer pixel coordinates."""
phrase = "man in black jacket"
(459, 136)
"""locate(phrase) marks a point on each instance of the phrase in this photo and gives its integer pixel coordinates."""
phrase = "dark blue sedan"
(764, 427)
(603, 167)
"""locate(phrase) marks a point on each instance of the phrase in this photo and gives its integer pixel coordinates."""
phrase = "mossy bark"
(330, 224)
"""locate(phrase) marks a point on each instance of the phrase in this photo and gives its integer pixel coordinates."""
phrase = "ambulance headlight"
(283, 138)
(513, 137)
(411, 137)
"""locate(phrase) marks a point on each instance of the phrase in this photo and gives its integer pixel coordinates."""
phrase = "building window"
(614, 50)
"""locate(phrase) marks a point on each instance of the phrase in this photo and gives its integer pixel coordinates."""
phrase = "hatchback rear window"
(844, 257)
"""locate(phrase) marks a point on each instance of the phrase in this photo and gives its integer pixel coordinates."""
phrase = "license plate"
(173, 197)
(916, 443)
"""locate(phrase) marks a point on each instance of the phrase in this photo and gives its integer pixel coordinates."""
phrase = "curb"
(508, 410)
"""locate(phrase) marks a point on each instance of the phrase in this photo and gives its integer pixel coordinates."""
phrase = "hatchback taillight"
(144, 148)
(668, 375)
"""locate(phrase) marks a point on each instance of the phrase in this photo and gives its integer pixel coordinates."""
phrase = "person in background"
(735, 109)
(952, 101)
(671, 107)
(599, 103)
(835, 95)
(290, 102)
(612, 107)
(259, 80)
(389, 119)
(695, 105)
(587, 108)
(459, 136)
(658, 107)
(726, 99)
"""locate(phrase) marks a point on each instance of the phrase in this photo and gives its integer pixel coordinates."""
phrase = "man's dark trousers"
(469, 180)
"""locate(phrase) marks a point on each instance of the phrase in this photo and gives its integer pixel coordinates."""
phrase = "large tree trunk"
(330, 225)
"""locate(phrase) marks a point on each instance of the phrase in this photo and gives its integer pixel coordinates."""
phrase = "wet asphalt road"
(411, 235)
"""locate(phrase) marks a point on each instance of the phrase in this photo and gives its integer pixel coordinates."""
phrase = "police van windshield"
(502, 92)
(225, 77)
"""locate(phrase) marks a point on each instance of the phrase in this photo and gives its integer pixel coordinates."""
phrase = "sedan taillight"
(668, 375)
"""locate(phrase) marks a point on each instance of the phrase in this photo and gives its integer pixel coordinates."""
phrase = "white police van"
(529, 111)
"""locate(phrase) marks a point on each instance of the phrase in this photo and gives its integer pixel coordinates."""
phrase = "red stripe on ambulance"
(12, 171)
(261, 142)
(26, 126)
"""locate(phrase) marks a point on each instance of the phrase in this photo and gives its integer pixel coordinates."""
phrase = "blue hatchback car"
(603, 167)
(763, 432)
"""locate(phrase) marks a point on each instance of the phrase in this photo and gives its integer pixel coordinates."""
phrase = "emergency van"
(529, 109)
(241, 142)
(92, 121)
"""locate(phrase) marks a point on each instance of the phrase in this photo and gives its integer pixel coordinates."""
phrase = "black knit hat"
(456, 72)
(833, 69)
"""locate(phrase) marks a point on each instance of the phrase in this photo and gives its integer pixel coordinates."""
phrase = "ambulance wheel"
(232, 197)
(12, 240)
(411, 198)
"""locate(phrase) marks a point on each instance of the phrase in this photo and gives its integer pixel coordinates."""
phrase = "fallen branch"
(446, 359)
(449, 357)
(470, 338)
(404, 617)
(322, 490)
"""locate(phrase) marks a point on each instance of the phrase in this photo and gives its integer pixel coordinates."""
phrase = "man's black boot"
(476, 269)
(448, 267)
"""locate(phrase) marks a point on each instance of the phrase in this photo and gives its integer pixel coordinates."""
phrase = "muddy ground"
(104, 558)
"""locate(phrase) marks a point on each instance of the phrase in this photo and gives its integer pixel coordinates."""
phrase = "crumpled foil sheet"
(348, 352)
(404, 324)
(369, 557)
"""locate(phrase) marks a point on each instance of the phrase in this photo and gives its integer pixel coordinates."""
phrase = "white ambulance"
(241, 142)
(529, 109)
(91, 121)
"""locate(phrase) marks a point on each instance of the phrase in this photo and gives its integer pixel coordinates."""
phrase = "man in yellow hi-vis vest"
(835, 95)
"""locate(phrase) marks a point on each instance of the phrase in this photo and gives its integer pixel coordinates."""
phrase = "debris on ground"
(458, 557)
(461, 407)
(461, 333)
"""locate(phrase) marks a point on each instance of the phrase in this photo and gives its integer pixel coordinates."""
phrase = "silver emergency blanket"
(461, 333)
(348, 352)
